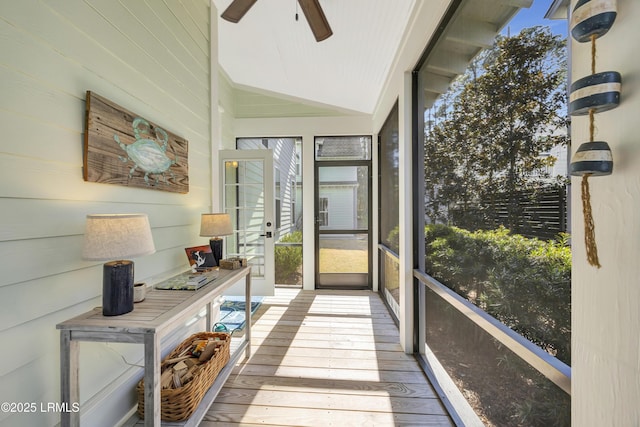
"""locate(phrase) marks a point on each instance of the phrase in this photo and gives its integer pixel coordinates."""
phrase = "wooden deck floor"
(326, 358)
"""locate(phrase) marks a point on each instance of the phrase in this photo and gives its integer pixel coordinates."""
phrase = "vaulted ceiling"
(270, 51)
(277, 68)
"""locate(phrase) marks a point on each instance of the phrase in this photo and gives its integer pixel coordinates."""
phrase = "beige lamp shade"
(215, 225)
(117, 236)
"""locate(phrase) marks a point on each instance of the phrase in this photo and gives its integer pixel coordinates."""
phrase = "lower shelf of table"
(209, 396)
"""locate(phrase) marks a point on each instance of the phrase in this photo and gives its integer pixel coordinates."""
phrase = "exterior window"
(333, 148)
(323, 211)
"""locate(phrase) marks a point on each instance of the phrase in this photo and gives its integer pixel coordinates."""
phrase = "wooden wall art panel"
(121, 147)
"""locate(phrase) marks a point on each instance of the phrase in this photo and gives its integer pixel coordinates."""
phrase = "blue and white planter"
(593, 158)
(592, 17)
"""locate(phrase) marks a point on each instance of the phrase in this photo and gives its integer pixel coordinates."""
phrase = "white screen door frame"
(247, 191)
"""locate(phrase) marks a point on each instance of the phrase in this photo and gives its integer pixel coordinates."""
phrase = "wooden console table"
(161, 312)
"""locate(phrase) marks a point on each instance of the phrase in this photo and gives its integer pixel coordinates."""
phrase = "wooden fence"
(537, 213)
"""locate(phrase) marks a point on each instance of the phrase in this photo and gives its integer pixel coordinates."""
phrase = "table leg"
(209, 318)
(247, 293)
(69, 387)
(151, 380)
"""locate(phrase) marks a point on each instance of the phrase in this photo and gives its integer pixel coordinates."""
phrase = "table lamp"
(113, 237)
(214, 225)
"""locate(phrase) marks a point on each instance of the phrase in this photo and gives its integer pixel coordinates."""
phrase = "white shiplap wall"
(153, 58)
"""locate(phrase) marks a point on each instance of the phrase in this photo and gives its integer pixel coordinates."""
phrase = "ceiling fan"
(311, 8)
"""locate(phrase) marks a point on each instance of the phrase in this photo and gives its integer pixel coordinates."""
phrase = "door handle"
(268, 235)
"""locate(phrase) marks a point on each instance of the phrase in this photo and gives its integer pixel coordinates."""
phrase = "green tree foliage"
(486, 136)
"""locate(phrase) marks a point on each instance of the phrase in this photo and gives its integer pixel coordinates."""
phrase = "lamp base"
(117, 288)
(216, 249)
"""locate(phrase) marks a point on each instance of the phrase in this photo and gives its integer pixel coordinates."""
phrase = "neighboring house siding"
(338, 174)
(342, 212)
(339, 185)
(287, 165)
(284, 163)
(152, 58)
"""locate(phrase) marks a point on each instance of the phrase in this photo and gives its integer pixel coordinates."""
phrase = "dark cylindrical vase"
(117, 288)
(216, 249)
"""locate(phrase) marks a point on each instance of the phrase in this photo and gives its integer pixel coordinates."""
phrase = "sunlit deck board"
(326, 358)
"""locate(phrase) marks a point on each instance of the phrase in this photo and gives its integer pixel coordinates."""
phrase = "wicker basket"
(179, 403)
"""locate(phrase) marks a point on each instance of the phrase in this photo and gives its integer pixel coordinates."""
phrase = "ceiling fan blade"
(237, 9)
(316, 19)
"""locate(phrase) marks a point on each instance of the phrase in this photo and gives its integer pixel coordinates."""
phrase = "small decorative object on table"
(233, 263)
(187, 373)
(200, 257)
(139, 291)
(188, 281)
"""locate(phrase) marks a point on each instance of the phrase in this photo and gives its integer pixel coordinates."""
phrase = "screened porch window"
(494, 280)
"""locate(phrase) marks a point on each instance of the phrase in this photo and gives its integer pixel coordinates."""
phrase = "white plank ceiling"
(269, 50)
(276, 67)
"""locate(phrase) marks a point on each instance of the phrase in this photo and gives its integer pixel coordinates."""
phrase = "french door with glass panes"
(248, 188)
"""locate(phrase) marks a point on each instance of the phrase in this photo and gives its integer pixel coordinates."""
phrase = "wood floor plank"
(323, 385)
(308, 335)
(331, 362)
(226, 414)
(326, 358)
(351, 402)
(327, 343)
(385, 329)
(331, 373)
(333, 353)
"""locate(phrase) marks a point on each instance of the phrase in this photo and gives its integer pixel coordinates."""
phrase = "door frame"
(317, 164)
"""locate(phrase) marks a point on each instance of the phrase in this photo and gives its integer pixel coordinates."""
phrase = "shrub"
(393, 239)
(288, 259)
(525, 283)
